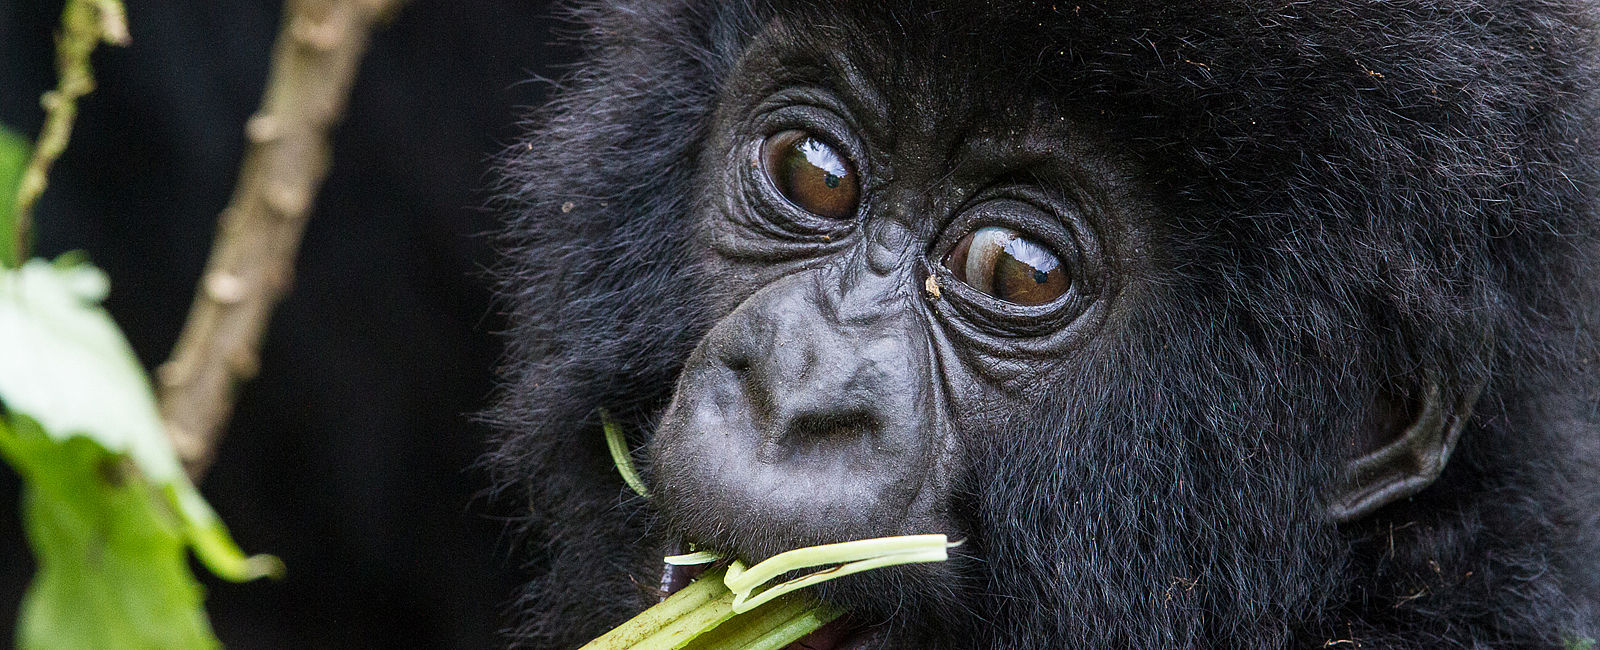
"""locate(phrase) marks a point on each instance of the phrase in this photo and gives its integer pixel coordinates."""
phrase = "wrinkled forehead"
(909, 70)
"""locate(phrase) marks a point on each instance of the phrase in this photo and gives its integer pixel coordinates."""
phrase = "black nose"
(812, 387)
(830, 426)
(814, 421)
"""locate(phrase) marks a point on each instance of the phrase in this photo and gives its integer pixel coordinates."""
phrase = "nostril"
(824, 428)
(745, 387)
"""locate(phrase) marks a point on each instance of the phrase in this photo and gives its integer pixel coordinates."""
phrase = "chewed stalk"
(722, 610)
(691, 559)
(701, 617)
(847, 558)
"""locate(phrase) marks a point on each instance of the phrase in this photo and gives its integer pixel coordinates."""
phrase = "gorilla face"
(893, 297)
(1172, 320)
(902, 298)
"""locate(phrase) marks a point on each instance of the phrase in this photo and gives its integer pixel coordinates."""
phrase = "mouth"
(843, 633)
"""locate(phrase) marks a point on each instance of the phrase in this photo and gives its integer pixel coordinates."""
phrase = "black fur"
(1348, 193)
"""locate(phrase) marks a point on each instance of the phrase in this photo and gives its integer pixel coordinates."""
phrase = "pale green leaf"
(112, 567)
(109, 509)
(14, 152)
(64, 364)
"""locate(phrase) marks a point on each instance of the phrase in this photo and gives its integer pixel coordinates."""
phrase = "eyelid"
(1048, 220)
(817, 112)
(1044, 224)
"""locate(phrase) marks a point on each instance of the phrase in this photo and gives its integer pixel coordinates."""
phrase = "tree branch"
(314, 63)
(84, 24)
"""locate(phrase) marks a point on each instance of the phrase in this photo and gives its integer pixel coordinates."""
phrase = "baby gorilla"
(1214, 324)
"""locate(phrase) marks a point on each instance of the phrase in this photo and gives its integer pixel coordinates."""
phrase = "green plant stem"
(84, 25)
(862, 549)
(701, 617)
(702, 594)
(770, 627)
(620, 456)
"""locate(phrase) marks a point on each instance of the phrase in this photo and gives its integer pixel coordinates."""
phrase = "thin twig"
(84, 25)
(314, 62)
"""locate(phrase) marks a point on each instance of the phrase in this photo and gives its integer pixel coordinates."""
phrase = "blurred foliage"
(14, 154)
(107, 508)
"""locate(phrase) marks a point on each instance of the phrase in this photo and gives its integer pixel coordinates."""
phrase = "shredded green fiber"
(733, 608)
(701, 617)
(620, 455)
(843, 559)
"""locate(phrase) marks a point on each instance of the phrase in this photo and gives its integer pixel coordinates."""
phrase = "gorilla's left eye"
(811, 175)
(1004, 264)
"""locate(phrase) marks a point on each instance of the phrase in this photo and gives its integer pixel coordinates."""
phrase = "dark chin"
(844, 634)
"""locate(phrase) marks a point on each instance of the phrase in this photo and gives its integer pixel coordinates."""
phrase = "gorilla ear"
(1405, 465)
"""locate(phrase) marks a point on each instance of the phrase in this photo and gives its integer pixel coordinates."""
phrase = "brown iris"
(1004, 264)
(811, 175)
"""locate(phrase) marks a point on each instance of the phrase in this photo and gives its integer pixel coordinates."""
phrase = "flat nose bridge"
(843, 392)
(824, 376)
(889, 243)
(870, 286)
(841, 365)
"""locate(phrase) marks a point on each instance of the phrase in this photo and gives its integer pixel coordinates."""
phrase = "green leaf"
(64, 364)
(112, 567)
(108, 509)
(14, 153)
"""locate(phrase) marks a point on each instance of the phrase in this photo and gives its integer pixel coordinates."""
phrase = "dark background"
(351, 455)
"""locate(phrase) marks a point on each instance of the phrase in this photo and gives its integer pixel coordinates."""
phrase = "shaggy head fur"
(1349, 195)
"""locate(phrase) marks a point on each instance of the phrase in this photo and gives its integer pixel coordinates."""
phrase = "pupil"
(1039, 277)
(831, 181)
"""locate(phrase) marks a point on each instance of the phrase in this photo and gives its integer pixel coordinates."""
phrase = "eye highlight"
(1002, 263)
(811, 175)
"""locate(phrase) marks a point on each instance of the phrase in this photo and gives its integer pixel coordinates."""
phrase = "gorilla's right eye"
(811, 175)
(1004, 264)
